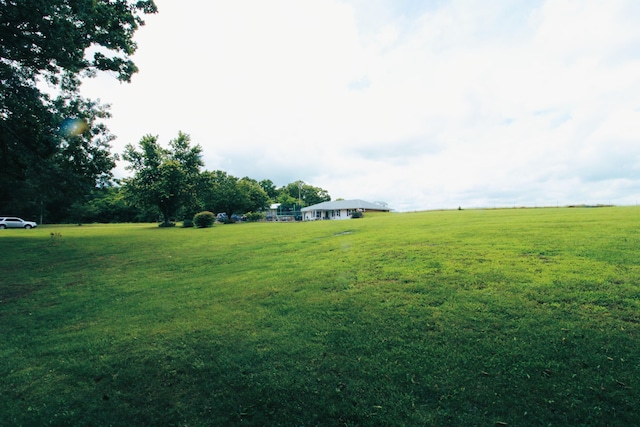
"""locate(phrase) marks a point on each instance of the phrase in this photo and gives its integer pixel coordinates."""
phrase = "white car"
(14, 222)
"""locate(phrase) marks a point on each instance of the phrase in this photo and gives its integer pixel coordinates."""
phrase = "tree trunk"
(167, 217)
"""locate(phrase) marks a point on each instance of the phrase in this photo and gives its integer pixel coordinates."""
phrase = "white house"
(340, 209)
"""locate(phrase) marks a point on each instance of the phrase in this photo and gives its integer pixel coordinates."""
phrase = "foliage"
(204, 219)
(81, 162)
(270, 188)
(165, 178)
(224, 193)
(307, 194)
(257, 198)
(287, 202)
(187, 223)
(254, 216)
(45, 164)
(474, 317)
(293, 196)
(109, 205)
(218, 191)
(49, 39)
(356, 214)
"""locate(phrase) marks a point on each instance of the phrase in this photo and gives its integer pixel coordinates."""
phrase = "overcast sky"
(421, 104)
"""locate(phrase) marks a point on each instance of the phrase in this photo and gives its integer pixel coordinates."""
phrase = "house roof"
(345, 204)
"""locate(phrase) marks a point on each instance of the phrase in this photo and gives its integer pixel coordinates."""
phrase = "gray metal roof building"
(347, 204)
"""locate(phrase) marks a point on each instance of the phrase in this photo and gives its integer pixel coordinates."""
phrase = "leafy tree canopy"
(270, 188)
(46, 128)
(49, 38)
(164, 178)
(305, 193)
(227, 194)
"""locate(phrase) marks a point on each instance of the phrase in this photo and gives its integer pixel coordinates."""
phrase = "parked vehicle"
(14, 222)
(222, 217)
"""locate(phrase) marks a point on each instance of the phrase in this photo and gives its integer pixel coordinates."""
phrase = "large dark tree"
(270, 188)
(165, 178)
(224, 193)
(257, 197)
(48, 133)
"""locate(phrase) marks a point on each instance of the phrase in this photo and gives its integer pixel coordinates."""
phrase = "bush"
(357, 214)
(254, 216)
(187, 223)
(204, 219)
(167, 224)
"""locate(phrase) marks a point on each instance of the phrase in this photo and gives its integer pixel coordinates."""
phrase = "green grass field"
(483, 317)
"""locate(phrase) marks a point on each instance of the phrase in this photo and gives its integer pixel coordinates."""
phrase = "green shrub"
(357, 214)
(167, 224)
(187, 223)
(204, 219)
(254, 216)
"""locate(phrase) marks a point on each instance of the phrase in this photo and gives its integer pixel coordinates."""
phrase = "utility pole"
(299, 200)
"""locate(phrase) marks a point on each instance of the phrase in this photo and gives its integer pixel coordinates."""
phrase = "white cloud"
(454, 103)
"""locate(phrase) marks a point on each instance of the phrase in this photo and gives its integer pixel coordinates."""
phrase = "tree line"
(168, 183)
(54, 144)
(56, 163)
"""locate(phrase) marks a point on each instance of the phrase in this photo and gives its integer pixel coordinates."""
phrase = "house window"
(318, 214)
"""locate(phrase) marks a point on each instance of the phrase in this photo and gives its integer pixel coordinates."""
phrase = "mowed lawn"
(476, 317)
